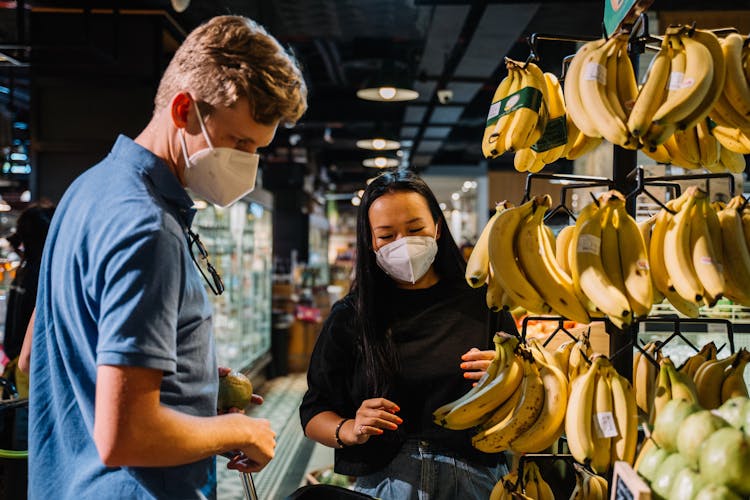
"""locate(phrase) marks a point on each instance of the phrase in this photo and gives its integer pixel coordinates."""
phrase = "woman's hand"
(374, 417)
(475, 362)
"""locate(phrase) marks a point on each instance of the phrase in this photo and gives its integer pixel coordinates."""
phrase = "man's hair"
(231, 57)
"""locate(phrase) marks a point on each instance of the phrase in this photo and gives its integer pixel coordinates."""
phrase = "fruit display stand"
(625, 332)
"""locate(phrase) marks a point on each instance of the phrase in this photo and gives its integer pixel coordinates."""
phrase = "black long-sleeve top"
(431, 328)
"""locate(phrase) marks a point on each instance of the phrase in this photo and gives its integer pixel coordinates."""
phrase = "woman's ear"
(439, 226)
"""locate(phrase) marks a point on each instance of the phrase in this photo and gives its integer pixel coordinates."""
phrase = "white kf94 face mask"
(407, 259)
(219, 175)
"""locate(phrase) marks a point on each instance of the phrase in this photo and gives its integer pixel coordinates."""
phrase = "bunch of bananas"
(534, 486)
(528, 116)
(734, 221)
(531, 419)
(601, 423)
(502, 379)
(589, 486)
(644, 377)
(684, 81)
(515, 255)
(601, 89)
(609, 262)
(671, 384)
(731, 111)
(698, 147)
(719, 380)
(687, 252)
(519, 111)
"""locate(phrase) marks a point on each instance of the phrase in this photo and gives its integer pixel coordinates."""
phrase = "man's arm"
(132, 428)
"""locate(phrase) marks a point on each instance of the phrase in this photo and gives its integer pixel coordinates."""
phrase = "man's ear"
(180, 107)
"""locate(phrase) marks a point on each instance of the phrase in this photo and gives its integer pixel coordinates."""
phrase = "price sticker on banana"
(588, 243)
(595, 71)
(605, 425)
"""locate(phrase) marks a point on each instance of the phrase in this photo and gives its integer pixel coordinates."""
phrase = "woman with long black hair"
(409, 337)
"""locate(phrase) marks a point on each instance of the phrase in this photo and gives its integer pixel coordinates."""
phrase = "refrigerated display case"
(239, 244)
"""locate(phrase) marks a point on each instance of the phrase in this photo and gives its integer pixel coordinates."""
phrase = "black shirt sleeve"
(329, 377)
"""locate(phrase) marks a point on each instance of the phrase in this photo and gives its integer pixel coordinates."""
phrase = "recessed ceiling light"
(378, 144)
(380, 162)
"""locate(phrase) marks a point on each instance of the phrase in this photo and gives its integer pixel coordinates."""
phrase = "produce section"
(686, 422)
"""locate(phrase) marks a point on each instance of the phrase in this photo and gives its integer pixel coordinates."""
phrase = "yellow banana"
(562, 242)
(589, 271)
(707, 248)
(644, 379)
(498, 361)
(661, 278)
(557, 117)
(711, 42)
(578, 415)
(734, 378)
(687, 91)
(736, 256)
(498, 437)
(734, 162)
(634, 263)
(732, 139)
(478, 264)
(593, 92)
(540, 267)
(602, 411)
(493, 143)
(678, 256)
(562, 356)
(573, 98)
(548, 425)
(709, 148)
(662, 391)
(475, 410)
(681, 385)
(736, 87)
(687, 143)
(503, 258)
(645, 228)
(625, 412)
(708, 380)
(652, 92)
(523, 131)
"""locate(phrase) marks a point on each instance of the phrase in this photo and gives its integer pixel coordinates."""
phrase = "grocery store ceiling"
(434, 44)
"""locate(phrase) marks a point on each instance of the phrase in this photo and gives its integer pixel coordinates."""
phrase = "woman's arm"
(24, 359)
(373, 417)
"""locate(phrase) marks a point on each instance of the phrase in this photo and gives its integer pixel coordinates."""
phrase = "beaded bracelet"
(338, 429)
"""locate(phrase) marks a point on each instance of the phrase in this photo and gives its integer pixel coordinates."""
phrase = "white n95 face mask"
(407, 259)
(219, 175)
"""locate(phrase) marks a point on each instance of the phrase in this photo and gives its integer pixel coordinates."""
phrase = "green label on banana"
(555, 134)
(527, 97)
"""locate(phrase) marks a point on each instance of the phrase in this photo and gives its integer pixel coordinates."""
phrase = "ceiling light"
(361, 193)
(378, 144)
(368, 181)
(380, 162)
(455, 197)
(356, 201)
(387, 93)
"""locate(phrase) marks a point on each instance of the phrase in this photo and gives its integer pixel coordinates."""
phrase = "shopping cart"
(13, 461)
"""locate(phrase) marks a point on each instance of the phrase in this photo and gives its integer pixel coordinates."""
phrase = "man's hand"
(258, 453)
(476, 363)
(256, 399)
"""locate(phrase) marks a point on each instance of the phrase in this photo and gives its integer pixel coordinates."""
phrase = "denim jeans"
(422, 471)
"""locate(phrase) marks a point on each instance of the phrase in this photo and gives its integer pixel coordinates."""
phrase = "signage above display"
(619, 13)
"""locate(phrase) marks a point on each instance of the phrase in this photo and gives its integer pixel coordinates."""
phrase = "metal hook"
(533, 56)
(593, 197)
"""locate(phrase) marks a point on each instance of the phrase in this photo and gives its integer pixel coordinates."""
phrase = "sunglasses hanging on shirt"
(202, 263)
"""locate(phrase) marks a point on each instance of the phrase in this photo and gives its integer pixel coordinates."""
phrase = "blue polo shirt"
(117, 287)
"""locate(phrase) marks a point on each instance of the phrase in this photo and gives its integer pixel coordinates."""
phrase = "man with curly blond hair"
(124, 378)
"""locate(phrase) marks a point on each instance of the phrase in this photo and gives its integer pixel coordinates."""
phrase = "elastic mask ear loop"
(203, 126)
(181, 133)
